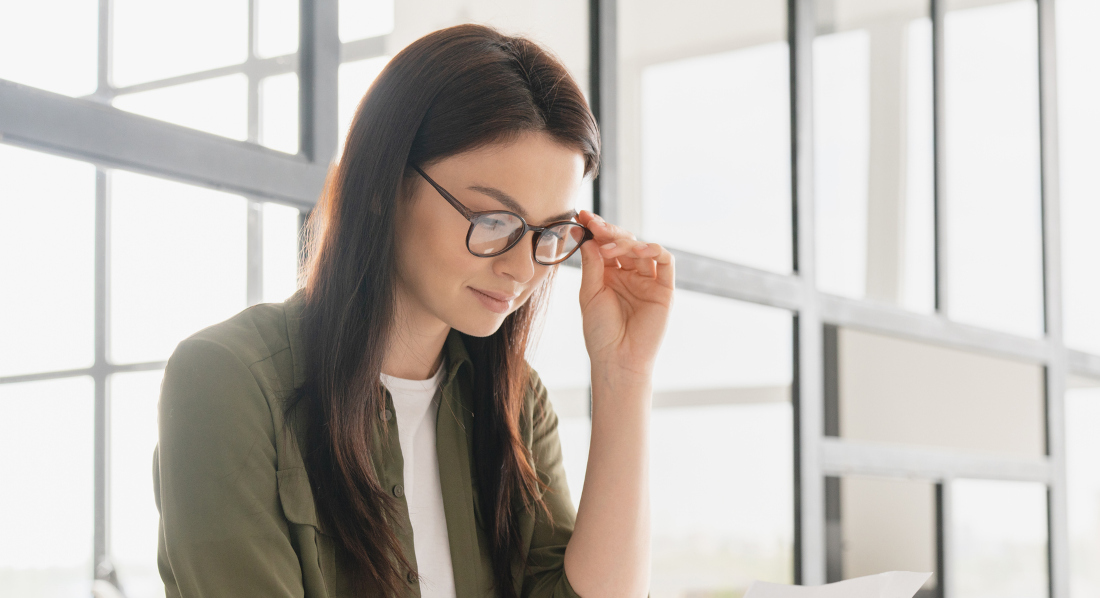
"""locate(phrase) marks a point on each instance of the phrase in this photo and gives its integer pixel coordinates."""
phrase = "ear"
(407, 193)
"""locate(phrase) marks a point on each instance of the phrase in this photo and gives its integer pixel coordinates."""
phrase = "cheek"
(436, 261)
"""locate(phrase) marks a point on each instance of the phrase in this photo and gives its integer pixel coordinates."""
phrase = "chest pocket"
(316, 551)
(297, 497)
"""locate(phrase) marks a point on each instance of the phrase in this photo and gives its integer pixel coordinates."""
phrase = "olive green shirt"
(237, 515)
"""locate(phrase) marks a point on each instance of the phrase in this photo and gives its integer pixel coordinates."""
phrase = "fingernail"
(608, 246)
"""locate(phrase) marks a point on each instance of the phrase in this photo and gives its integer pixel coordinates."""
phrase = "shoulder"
(536, 390)
(538, 410)
(252, 335)
(253, 348)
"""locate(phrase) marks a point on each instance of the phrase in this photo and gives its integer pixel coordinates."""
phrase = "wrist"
(622, 378)
(620, 367)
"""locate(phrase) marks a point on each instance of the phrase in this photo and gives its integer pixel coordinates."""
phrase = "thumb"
(591, 271)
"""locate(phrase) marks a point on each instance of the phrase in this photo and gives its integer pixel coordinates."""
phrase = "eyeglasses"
(494, 232)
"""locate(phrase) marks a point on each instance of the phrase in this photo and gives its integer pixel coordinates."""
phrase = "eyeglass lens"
(495, 232)
(557, 242)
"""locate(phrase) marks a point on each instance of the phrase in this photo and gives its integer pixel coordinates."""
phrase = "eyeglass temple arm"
(466, 212)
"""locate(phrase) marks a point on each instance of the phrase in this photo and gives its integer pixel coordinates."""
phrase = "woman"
(380, 433)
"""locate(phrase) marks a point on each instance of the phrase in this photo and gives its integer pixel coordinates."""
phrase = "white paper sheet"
(896, 584)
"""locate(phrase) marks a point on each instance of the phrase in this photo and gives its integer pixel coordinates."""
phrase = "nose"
(518, 263)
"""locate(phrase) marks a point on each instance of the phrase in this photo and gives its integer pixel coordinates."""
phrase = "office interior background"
(885, 348)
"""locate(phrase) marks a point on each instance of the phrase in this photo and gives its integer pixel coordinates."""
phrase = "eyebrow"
(509, 202)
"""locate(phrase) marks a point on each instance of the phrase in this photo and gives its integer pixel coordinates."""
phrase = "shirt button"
(411, 576)
(398, 491)
(387, 415)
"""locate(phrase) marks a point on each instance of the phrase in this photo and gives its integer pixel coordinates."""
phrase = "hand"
(626, 295)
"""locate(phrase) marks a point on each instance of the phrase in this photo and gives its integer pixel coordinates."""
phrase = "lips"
(493, 301)
(498, 296)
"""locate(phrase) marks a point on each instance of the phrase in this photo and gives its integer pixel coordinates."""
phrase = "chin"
(483, 328)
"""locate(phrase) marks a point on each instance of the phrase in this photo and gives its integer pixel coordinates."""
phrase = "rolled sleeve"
(545, 575)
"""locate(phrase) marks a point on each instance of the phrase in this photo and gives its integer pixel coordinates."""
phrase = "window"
(48, 524)
(898, 391)
(882, 524)
(1083, 483)
(57, 55)
(873, 175)
(56, 327)
(721, 449)
(133, 531)
(178, 263)
(992, 180)
(1078, 96)
(999, 538)
(116, 268)
(706, 125)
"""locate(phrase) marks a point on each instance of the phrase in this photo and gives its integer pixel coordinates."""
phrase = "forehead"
(540, 176)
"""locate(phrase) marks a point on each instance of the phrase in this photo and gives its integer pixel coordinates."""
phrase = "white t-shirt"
(417, 409)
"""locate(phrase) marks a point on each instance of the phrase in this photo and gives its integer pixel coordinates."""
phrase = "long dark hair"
(451, 91)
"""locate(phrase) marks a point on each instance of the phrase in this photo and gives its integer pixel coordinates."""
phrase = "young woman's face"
(438, 278)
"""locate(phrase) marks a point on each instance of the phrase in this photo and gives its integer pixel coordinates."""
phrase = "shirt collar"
(457, 355)
(292, 307)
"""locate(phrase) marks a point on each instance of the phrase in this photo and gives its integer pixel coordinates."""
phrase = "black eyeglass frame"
(472, 217)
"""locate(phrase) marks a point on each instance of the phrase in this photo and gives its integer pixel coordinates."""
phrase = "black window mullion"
(1057, 368)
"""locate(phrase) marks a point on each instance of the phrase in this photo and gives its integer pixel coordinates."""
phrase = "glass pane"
(276, 27)
(884, 525)
(177, 263)
(161, 39)
(218, 106)
(999, 532)
(51, 256)
(842, 140)
(366, 18)
(560, 358)
(46, 524)
(279, 112)
(918, 282)
(712, 164)
(900, 391)
(134, 519)
(873, 151)
(354, 79)
(722, 389)
(280, 251)
(994, 245)
(47, 52)
(1083, 486)
(1079, 153)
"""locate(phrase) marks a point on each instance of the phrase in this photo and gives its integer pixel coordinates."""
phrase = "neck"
(415, 348)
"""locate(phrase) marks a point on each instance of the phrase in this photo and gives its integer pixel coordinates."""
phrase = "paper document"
(896, 584)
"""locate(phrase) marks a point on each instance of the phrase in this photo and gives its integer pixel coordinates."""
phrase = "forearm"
(609, 551)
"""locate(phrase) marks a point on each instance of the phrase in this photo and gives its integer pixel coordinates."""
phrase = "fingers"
(592, 266)
(666, 268)
(632, 255)
(619, 248)
(604, 231)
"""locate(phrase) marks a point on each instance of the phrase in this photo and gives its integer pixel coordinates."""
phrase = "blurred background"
(885, 349)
